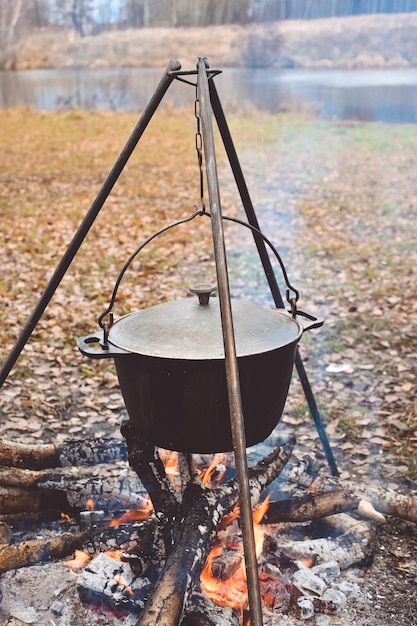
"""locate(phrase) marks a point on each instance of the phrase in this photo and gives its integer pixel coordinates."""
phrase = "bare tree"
(10, 13)
(78, 13)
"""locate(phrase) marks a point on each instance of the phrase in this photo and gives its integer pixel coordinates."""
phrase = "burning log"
(67, 489)
(395, 504)
(28, 553)
(342, 538)
(142, 536)
(146, 462)
(201, 511)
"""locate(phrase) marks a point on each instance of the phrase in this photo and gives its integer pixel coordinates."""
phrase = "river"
(386, 95)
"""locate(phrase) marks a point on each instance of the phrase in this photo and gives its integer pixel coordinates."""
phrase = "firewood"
(14, 500)
(385, 501)
(108, 489)
(142, 536)
(75, 453)
(23, 478)
(308, 507)
(28, 553)
(391, 503)
(201, 611)
(69, 488)
(146, 462)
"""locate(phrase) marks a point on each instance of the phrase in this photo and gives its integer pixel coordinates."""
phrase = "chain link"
(199, 150)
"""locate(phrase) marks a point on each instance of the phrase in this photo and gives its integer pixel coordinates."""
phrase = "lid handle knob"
(203, 291)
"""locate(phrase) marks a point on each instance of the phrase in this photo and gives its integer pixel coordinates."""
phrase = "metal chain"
(199, 150)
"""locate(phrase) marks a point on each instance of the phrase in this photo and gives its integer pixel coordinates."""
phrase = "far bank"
(367, 41)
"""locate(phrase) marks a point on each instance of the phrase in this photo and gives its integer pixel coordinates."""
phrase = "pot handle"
(309, 322)
(95, 347)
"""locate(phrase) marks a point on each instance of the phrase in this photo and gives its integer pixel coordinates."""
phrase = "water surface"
(381, 95)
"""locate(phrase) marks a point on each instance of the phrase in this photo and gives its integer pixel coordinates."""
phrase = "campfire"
(182, 558)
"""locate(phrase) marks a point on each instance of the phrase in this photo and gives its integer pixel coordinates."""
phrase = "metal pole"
(88, 221)
(232, 373)
(266, 263)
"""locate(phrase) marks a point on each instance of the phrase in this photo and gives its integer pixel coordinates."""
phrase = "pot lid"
(187, 329)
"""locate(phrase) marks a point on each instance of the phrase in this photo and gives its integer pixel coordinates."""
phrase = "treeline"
(186, 13)
(148, 13)
(89, 17)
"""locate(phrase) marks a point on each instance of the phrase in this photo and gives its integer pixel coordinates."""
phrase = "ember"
(223, 577)
(79, 561)
(134, 515)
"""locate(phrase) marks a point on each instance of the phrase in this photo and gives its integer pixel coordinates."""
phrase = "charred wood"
(374, 501)
(14, 501)
(71, 453)
(201, 611)
(27, 553)
(308, 507)
(140, 536)
(146, 462)
(391, 503)
(69, 488)
(108, 491)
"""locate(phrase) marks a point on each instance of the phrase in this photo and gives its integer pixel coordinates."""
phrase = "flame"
(232, 592)
(114, 554)
(123, 583)
(257, 529)
(229, 519)
(143, 511)
(65, 516)
(171, 463)
(90, 504)
(207, 474)
(79, 561)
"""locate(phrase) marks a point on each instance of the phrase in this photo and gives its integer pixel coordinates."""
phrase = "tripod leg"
(88, 221)
(266, 263)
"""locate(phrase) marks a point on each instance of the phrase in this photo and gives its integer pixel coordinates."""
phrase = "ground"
(337, 199)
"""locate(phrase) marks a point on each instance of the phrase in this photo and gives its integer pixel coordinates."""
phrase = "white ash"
(306, 580)
(327, 571)
(306, 607)
(335, 598)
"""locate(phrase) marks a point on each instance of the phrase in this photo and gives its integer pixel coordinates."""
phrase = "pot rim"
(184, 330)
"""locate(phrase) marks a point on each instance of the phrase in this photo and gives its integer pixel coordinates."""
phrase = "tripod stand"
(209, 103)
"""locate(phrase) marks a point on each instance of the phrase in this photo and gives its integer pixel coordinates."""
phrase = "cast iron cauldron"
(170, 364)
